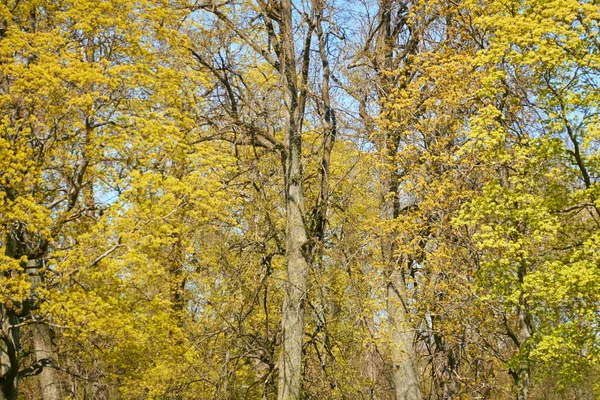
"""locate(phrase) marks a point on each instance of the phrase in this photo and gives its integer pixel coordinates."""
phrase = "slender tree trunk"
(9, 346)
(292, 324)
(297, 257)
(330, 131)
(523, 379)
(9, 336)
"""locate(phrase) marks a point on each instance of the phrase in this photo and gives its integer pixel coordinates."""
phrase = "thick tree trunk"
(405, 371)
(405, 374)
(292, 324)
(42, 343)
(48, 378)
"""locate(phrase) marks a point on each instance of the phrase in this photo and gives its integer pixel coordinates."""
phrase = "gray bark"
(42, 344)
(42, 347)
(523, 378)
(297, 257)
(405, 370)
(404, 366)
(405, 374)
(9, 347)
(281, 54)
(329, 134)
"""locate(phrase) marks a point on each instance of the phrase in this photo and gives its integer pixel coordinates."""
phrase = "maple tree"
(392, 199)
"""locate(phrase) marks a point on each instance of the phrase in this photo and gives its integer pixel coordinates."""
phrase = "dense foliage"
(261, 199)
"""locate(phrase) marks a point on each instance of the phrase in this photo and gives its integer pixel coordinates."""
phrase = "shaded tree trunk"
(9, 335)
(42, 343)
(522, 376)
(9, 346)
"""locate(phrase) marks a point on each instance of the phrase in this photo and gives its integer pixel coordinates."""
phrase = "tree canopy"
(299, 199)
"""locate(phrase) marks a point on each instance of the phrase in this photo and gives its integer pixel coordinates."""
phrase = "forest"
(299, 199)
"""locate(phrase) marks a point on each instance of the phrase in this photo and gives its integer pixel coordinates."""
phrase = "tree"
(538, 171)
(71, 78)
(275, 45)
(299, 199)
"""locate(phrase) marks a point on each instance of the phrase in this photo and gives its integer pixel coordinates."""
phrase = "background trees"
(294, 200)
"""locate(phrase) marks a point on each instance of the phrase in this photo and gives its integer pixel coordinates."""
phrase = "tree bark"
(42, 346)
(404, 366)
(405, 373)
(329, 134)
(524, 318)
(9, 335)
(9, 347)
(42, 343)
(297, 257)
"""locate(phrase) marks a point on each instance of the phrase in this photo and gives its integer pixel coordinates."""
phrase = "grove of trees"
(299, 199)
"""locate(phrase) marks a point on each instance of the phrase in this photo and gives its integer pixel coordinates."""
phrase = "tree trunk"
(405, 373)
(42, 343)
(329, 134)
(523, 375)
(292, 324)
(9, 346)
(297, 257)
(48, 378)
(404, 367)
(9, 336)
